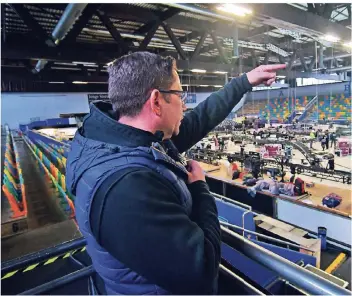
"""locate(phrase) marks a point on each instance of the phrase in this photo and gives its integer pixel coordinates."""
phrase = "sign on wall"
(191, 99)
(98, 97)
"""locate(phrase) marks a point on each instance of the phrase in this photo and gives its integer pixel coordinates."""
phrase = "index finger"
(270, 68)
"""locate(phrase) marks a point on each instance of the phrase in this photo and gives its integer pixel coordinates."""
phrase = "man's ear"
(155, 102)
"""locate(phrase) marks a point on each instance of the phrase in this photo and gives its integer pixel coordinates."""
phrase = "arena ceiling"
(313, 39)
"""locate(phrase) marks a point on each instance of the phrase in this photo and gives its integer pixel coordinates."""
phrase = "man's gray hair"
(133, 77)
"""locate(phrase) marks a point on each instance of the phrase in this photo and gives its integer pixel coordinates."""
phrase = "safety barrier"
(297, 275)
(58, 146)
(58, 149)
(13, 184)
(57, 178)
(58, 159)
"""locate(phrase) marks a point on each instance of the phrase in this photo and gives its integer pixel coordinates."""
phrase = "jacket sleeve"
(208, 114)
(144, 226)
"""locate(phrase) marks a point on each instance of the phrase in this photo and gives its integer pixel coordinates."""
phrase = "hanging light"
(330, 38)
(79, 82)
(198, 71)
(234, 9)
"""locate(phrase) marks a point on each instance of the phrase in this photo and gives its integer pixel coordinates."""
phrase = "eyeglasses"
(180, 93)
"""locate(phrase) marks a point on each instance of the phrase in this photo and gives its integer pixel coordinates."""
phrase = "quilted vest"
(89, 163)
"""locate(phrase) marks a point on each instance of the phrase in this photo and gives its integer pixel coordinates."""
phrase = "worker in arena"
(149, 219)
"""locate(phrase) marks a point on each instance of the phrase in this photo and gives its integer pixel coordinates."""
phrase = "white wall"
(338, 227)
(19, 108)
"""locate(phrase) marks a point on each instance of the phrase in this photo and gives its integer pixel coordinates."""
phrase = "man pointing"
(151, 224)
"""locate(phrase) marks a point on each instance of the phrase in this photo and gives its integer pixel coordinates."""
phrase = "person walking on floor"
(323, 142)
(333, 139)
(150, 221)
(327, 136)
(312, 138)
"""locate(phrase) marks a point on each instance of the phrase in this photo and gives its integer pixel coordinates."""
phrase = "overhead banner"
(98, 97)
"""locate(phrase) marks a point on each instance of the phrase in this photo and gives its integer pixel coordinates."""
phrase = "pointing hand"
(265, 74)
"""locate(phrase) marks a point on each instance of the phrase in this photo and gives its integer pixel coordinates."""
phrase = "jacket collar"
(101, 125)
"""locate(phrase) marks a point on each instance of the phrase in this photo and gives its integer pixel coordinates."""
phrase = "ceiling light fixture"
(348, 44)
(330, 38)
(84, 63)
(203, 85)
(198, 71)
(56, 82)
(220, 72)
(79, 82)
(234, 9)
(217, 85)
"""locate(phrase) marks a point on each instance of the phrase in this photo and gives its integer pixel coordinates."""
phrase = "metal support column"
(321, 56)
(235, 42)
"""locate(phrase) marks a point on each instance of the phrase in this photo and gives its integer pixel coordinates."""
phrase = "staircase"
(308, 108)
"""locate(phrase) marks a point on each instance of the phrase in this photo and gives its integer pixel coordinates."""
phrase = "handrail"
(221, 197)
(308, 281)
(34, 258)
(254, 290)
(265, 236)
(57, 283)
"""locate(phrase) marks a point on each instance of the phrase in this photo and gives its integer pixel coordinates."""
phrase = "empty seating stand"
(13, 185)
(54, 175)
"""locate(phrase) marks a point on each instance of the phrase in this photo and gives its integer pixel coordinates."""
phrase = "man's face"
(173, 109)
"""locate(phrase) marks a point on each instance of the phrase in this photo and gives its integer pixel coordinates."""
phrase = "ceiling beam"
(144, 44)
(123, 47)
(219, 47)
(306, 22)
(134, 13)
(82, 21)
(36, 29)
(175, 41)
(303, 62)
(346, 22)
(328, 9)
(164, 16)
(252, 34)
(311, 8)
(200, 43)
(190, 36)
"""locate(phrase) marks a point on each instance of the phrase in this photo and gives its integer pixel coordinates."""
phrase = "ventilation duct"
(72, 12)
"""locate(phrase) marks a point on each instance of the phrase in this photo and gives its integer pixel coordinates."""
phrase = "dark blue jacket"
(141, 237)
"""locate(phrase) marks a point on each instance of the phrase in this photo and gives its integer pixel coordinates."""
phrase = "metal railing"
(300, 277)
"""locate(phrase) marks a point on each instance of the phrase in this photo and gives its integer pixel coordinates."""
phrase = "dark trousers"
(333, 142)
(327, 144)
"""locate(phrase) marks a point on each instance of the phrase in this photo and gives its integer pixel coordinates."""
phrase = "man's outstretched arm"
(208, 114)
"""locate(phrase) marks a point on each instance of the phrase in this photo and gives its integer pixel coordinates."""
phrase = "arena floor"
(321, 187)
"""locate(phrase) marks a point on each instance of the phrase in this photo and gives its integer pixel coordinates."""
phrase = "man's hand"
(195, 172)
(265, 74)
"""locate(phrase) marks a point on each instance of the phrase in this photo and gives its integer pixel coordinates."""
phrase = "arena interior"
(279, 166)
